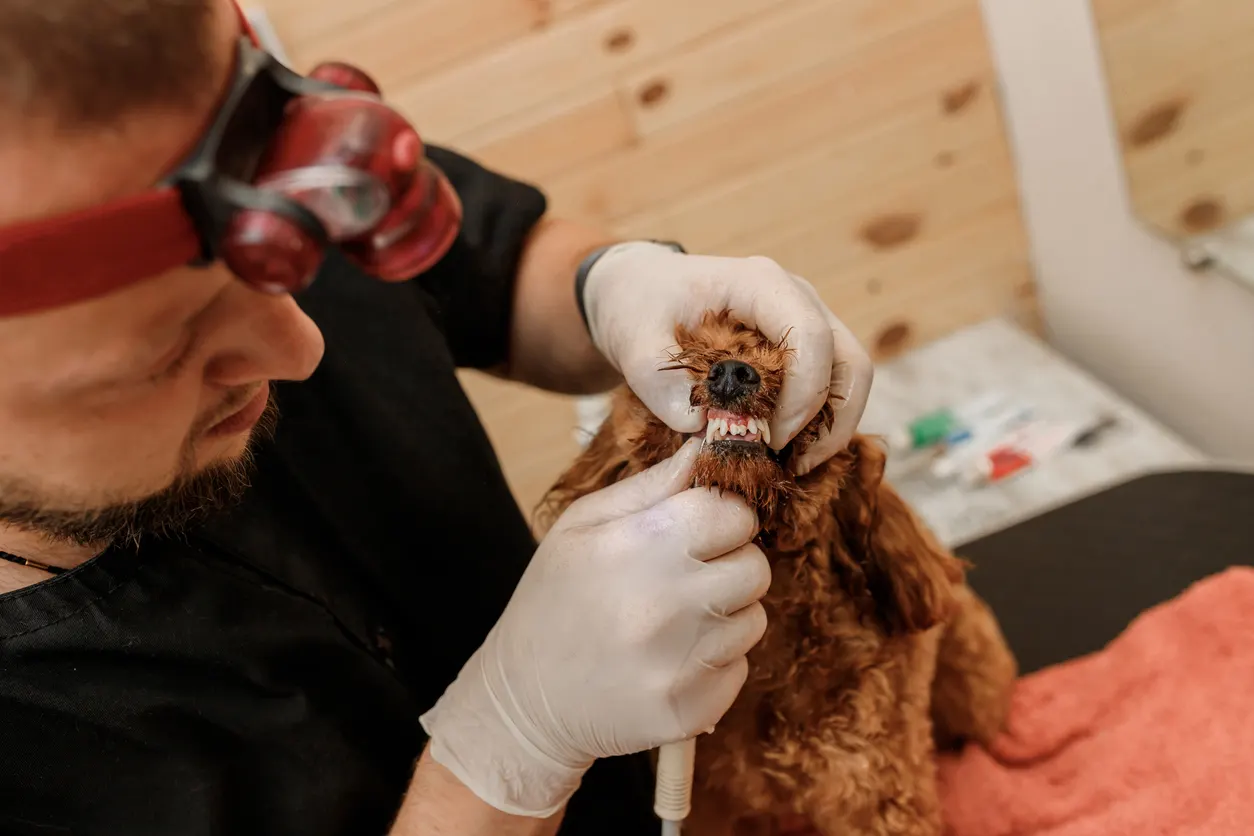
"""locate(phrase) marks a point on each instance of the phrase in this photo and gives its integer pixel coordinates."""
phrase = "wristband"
(585, 267)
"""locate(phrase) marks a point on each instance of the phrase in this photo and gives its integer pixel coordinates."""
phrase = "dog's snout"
(731, 379)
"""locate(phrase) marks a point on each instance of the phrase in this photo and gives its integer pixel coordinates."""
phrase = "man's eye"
(176, 364)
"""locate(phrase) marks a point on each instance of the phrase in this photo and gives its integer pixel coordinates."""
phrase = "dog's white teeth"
(717, 429)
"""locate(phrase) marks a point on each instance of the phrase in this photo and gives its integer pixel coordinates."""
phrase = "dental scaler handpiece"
(672, 797)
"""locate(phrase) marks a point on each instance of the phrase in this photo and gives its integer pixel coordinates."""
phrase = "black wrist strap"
(585, 267)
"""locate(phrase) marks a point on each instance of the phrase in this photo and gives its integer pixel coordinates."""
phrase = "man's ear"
(887, 558)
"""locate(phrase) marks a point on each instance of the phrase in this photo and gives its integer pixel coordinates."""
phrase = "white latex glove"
(637, 292)
(628, 630)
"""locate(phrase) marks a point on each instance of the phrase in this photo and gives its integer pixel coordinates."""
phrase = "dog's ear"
(886, 557)
(627, 442)
(602, 463)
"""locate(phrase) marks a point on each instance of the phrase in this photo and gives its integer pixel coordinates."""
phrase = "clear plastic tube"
(1021, 450)
(937, 426)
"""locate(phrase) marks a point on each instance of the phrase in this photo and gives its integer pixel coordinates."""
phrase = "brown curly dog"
(877, 651)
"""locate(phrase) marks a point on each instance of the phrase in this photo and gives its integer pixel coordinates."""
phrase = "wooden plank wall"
(859, 142)
(1181, 79)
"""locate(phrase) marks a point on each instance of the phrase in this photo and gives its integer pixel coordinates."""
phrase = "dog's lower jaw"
(748, 470)
(736, 447)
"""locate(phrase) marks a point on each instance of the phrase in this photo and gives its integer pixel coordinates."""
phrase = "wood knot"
(543, 13)
(1202, 215)
(653, 93)
(893, 338)
(1156, 123)
(620, 40)
(889, 231)
(960, 98)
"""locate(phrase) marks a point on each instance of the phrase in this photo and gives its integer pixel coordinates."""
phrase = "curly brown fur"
(876, 648)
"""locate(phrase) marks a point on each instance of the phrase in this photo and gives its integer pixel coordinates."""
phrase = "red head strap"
(310, 166)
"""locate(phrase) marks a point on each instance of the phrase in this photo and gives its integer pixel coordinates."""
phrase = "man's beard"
(188, 500)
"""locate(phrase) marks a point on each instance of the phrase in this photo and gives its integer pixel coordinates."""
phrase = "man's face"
(114, 409)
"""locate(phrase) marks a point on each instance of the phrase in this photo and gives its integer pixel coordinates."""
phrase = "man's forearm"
(438, 804)
(549, 343)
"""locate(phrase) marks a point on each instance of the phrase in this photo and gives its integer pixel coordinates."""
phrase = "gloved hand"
(628, 630)
(637, 292)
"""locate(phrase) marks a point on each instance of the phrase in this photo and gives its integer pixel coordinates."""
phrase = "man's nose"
(732, 379)
(272, 339)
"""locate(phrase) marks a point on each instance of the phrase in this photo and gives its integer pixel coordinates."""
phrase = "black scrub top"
(265, 673)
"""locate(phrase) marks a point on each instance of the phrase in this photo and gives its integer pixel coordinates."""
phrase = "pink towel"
(1152, 736)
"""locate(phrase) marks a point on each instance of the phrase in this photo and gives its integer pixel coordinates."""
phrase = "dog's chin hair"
(750, 473)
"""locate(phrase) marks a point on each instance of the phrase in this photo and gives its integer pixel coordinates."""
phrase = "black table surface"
(1065, 583)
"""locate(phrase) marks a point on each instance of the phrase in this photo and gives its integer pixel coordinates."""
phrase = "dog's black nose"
(731, 379)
